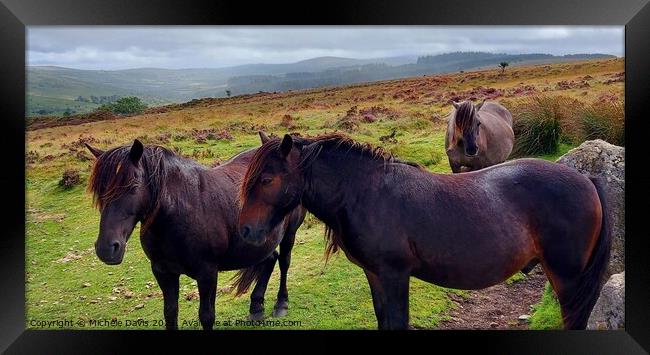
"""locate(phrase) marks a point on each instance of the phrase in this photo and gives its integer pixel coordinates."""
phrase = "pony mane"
(335, 142)
(328, 142)
(465, 115)
(113, 174)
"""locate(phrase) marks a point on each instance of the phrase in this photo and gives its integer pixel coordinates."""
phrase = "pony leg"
(377, 297)
(565, 290)
(256, 309)
(168, 283)
(207, 294)
(578, 288)
(282, 304)
(395, 287)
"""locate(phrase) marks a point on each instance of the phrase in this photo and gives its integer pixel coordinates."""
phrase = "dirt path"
(497, 307)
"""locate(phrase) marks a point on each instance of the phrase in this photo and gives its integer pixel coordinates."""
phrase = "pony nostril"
(116, 247)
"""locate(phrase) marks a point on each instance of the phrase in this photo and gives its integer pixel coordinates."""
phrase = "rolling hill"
(55, 90)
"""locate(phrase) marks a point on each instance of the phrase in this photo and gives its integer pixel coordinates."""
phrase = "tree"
(503, 66)
(125, 106)
(228, 93)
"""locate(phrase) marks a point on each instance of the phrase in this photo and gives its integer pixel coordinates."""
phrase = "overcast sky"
(213, 47)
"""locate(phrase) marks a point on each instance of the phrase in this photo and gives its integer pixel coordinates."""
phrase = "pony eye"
(266, 181)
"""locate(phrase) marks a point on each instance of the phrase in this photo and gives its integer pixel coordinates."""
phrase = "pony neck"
(334, 178)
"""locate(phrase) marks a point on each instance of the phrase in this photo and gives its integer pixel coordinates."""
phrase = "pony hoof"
(255, 316)
(280, 312)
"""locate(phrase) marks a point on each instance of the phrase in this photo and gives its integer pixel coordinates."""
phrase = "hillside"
(54, 90)
(65, 279)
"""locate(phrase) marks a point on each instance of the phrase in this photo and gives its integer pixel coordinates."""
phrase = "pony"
(394, 219)
(478, 136)
(188, 215)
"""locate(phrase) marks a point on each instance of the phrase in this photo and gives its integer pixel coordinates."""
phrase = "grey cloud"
(188, 47)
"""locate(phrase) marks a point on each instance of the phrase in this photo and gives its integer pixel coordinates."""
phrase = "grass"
(537, 126)
(546, 314)
(65, 280)
(56, 105)
(520, 276)
(604, 120)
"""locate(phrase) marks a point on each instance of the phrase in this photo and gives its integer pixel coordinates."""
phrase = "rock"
(524, 318)
(86, 284)
(609, 311)
(599, 158)
(139, 306)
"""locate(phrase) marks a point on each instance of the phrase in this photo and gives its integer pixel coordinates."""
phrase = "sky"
(175, 47)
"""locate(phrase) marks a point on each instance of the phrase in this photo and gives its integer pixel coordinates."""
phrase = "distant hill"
(55, 90)
(426, 65)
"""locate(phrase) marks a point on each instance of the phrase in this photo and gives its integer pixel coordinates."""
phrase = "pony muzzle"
(252, 235)
(110, 252)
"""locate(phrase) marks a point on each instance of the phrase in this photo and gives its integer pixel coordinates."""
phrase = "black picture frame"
(15, 15)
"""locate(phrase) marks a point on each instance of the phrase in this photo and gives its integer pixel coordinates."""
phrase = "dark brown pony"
(466, 231)
(478, 136)
(188, 215)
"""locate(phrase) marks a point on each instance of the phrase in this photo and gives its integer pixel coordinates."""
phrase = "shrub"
(604, 120)
(125, 106)
(70, 178)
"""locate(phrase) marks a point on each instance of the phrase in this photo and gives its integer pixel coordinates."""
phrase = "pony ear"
(478, 107)
(95, 152)
(136, 151)
(286, 145)
(456, 104)
(263, 137)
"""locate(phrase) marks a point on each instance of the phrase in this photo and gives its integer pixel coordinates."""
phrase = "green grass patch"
(520, 276)
(546, 314)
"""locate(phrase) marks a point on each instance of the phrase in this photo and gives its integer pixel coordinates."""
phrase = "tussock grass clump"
(541, 123)
(604, 120)
(536, 126)
(290, 122)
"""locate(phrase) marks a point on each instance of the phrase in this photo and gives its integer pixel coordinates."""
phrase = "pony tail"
(332, 242)
(245, 278)
(590, 281)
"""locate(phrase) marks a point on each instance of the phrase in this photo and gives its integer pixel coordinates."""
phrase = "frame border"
(15, 15)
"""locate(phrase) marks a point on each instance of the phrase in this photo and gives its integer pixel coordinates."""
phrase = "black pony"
(466, 231)
(188, 216)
